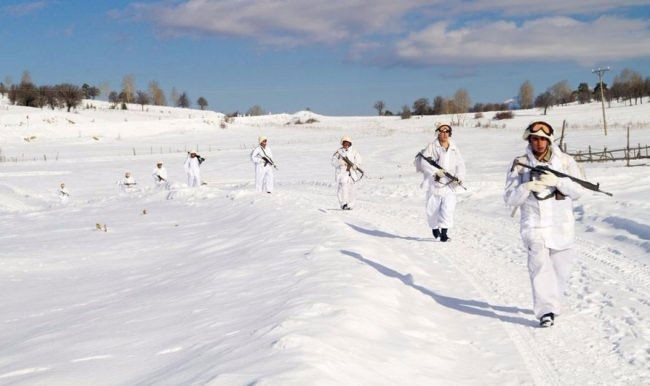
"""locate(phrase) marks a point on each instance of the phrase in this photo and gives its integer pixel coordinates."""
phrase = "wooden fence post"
(627, 148)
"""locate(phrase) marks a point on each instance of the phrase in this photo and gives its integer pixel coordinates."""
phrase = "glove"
(534, 186)
(440, 173)
(548, 179)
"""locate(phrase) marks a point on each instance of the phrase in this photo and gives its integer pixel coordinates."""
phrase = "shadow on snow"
(385, 234)
(473, 307)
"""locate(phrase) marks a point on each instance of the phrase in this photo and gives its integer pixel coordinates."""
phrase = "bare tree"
(526, 95)
(255, 111)
(128, 88)
(105, 89)
(48, 97)
(69, 95)
(629, 84)
(142, 98)
(545, 100)
(114, 98)
(173, 97)
(406, 112)
(3, 89)
(157, 94)
(202, 102)
(93, 92)
(561, 92)
(12, 94)
(26, 78)
(380, 106)
(462, 101)
(26, 94)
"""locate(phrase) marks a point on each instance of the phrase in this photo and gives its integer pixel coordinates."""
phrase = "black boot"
(436, 233)
(443, 235)
(547, 320)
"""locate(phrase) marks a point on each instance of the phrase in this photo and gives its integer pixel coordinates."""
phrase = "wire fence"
(627, 154)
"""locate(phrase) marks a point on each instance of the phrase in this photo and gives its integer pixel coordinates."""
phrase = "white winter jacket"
(449, 159)
(159, 172)
(550, 219)
(258, 153)
(192, 166)
(341, 167)
(128, 181)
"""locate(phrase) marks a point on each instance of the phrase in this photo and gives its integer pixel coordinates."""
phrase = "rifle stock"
(585, 184)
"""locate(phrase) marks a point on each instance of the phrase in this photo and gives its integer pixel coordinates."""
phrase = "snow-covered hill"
(219, 285)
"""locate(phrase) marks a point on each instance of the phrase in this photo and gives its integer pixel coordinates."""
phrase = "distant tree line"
(69, 96)
(628, 86)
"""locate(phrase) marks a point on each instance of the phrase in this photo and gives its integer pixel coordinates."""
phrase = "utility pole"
(600, 73)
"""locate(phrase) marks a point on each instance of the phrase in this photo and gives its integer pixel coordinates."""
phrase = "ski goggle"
(444, 129)
(540, 126)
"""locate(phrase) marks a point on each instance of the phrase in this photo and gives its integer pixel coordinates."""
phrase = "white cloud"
(283, 23)
(416, 31)
(26, 8)
(547, 39)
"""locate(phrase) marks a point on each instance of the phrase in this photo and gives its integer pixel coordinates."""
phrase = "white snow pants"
(345, 190)
(549, 271)
(440, 210)
(193, 179)
(264, 179)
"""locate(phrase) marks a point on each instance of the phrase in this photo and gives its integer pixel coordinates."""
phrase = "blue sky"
(336, 57)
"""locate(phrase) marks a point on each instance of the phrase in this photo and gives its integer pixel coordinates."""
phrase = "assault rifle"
(268, 161)
(433, 163)
(540, 169)
(351, 165)
(160, 179)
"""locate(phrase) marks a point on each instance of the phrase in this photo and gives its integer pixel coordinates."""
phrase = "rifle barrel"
(585, 184)
(436, 165)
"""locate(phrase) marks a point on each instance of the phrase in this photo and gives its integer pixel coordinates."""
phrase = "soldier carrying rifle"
(544, 184)
(346, 162)
(443, 170)
(262, 158)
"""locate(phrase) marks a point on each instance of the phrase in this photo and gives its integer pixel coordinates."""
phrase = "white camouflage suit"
(441, 194)
(345, 178)
(263, 170)
(547, 227)
(159, 175)
(193, 171)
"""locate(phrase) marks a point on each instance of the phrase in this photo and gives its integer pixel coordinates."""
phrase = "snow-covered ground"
(220, 285)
